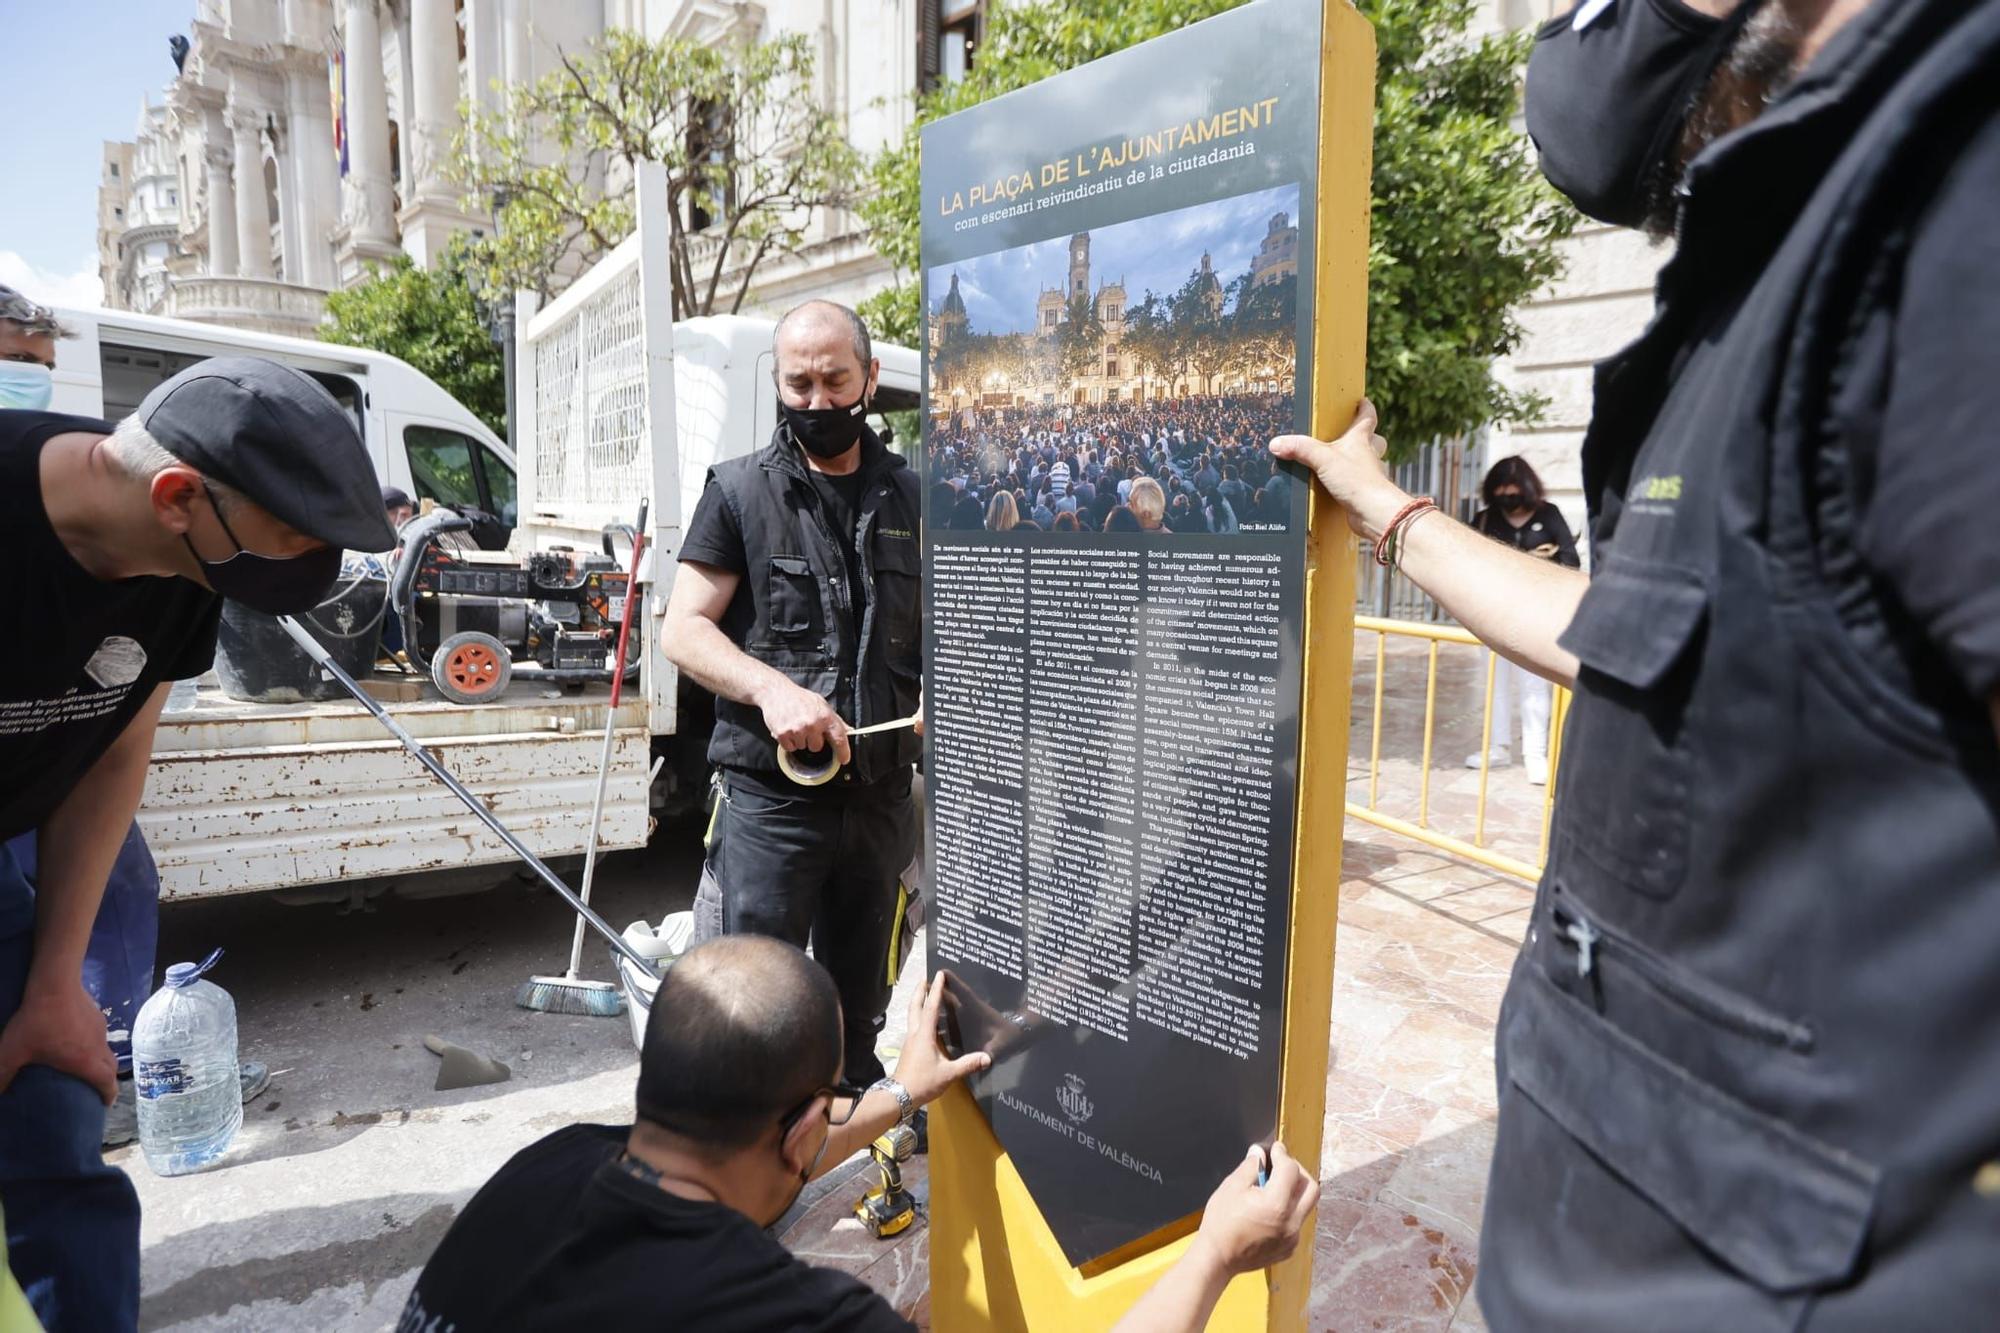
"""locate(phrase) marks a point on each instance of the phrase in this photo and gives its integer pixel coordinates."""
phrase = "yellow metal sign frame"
(994, 1262)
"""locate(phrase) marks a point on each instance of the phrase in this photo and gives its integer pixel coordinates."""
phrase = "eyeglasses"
(836, 1118)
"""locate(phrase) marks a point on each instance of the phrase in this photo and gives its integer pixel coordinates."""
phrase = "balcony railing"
(262, 302)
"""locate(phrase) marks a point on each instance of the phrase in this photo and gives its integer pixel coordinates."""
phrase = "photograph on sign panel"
(1125, 379)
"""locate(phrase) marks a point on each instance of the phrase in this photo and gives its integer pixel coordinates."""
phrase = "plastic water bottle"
(184, 1071)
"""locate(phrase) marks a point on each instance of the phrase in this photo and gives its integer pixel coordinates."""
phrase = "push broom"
(571, 993)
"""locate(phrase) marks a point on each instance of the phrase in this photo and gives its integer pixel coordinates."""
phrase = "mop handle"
(319, 655)
(625, 620)
(610, 724)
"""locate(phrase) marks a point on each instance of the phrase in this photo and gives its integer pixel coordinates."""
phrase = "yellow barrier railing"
(1475, 848)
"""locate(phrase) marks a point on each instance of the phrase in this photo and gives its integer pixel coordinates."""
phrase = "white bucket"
(661, 946)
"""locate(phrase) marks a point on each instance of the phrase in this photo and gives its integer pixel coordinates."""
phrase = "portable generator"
(474, 620)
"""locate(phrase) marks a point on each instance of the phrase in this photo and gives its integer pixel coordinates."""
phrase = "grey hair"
(133, 451)
(864, 346)
(31, 318)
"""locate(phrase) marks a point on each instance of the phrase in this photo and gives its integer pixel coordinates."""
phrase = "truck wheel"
(471, 668)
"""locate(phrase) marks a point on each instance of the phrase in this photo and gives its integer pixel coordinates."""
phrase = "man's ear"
(802, 1141)
(174, 492)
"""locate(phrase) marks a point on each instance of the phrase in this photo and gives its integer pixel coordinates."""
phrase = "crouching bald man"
(662, 1223)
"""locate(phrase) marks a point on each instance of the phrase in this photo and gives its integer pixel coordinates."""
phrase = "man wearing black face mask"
(1750, 1056)
(798, 603)
(236, 476)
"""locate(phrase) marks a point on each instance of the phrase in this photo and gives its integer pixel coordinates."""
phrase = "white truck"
(615, 403)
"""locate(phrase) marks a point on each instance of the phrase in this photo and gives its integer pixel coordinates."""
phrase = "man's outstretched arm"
(1245, 1227)
(691, 637)
(1517, 604)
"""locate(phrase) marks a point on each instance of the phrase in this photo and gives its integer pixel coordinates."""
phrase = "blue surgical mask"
(26, 385)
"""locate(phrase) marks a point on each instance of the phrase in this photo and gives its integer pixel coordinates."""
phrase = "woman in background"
(1518, 514)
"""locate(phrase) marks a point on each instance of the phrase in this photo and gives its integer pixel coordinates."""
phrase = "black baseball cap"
(274, 434)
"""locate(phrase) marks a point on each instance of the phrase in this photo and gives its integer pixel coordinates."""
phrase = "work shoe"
(1538, 768)
(121, 1118)
(1499, 755)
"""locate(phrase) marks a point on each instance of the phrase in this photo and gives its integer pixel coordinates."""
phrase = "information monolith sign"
(1135, 275)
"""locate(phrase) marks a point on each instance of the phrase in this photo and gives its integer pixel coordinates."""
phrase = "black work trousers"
(821, 866)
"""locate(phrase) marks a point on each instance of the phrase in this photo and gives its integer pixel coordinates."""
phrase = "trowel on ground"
(461, 1068)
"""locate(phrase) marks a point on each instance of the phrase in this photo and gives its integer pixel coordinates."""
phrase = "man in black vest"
(798, 602)
(1750, 1057)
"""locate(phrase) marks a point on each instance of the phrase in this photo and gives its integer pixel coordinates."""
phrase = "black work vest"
(1749, 1058)
(793, 609)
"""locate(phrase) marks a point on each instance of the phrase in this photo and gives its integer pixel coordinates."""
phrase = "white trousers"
(1516, 688)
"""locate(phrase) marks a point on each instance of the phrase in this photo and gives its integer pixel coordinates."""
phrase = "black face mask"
(275, 585)
(826, 432)
(1610, 85)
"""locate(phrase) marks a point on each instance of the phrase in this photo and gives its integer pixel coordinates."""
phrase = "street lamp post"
(503, 322)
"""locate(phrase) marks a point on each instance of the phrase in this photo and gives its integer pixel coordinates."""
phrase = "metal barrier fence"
(1448, 472)
(1474, 848)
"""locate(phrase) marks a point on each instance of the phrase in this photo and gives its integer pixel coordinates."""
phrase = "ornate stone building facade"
(257, 207)
(1278, 253)
(238, 202)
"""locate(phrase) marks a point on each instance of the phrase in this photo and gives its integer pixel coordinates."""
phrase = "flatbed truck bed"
(245, 797)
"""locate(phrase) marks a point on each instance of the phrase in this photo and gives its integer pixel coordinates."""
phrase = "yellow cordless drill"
(887, 1208)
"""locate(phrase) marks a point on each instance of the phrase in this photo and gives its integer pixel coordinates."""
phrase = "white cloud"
(78, 288)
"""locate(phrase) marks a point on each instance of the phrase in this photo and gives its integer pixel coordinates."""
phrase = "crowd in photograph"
(1179, 465)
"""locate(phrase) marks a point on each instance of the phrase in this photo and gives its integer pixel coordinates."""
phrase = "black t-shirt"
(564, 1238)
(1931, 529)
(1546, 527)
(842, 498)
(85, 654)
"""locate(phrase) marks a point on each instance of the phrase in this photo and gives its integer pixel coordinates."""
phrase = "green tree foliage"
(751, 158)
(1079, 340)
(430, 319)
(1463, 226)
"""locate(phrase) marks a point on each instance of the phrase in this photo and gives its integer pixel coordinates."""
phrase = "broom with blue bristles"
(571, 993)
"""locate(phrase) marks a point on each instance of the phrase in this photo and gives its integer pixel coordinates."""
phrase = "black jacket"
(1547, 528)
(1750, 1056)
(792, 608)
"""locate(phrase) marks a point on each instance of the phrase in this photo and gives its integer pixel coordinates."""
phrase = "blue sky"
(76, 72)
(1155, 252)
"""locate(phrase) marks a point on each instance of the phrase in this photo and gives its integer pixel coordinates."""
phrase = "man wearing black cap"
(240, 477)
(664, 1223)
(397, 505)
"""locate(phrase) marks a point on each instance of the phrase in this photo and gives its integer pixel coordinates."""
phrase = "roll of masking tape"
(808, 768)
(816, 768)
